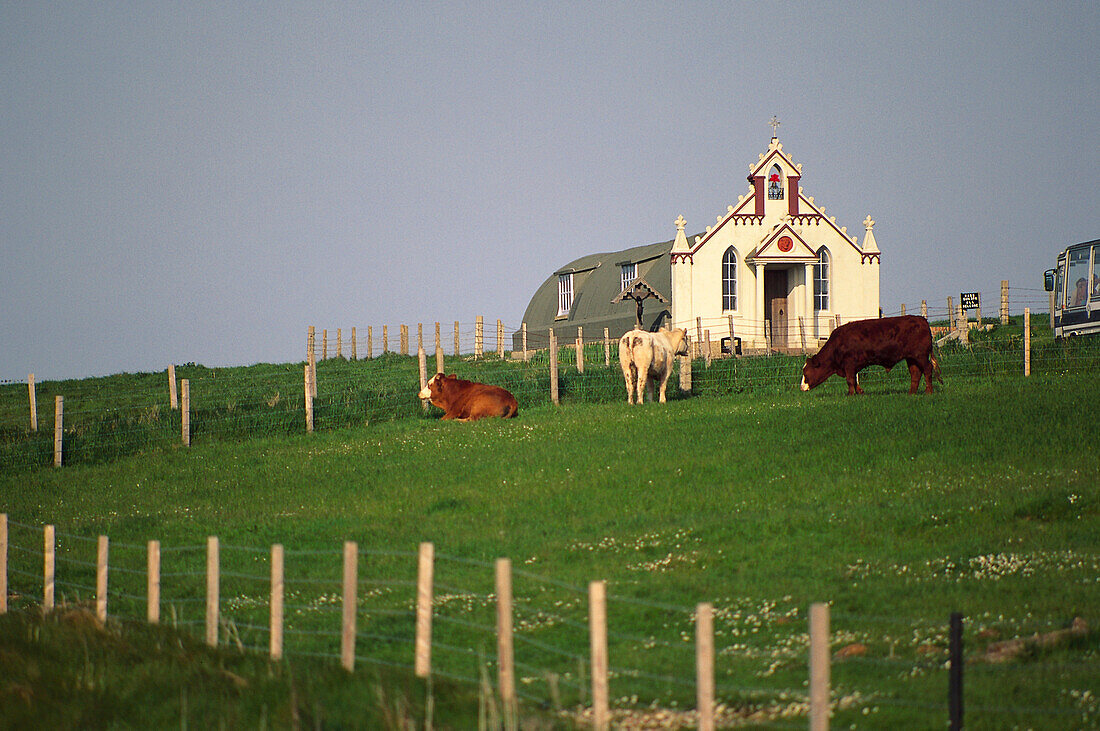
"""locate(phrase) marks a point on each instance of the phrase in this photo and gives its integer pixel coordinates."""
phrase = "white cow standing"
(648, 356)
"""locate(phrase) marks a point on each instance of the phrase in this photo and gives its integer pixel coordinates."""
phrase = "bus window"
(1060, 283)
(1077, 277)
(1095, 295)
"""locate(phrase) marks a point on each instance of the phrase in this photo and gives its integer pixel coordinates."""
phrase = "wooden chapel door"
(775, 305)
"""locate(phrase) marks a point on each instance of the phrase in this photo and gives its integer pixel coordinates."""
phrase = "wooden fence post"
(924, 309)
(819, 666)
(685, 374)
(704, 665)
(185, 412)
(553, 368)
(438, 342)
(152, 583)
(423, 647)
(1027, 341)
(339, 343)
(505, 655)
(422, 363)
(525, 356)
(48, 567)
(439, 359)
(212, 581)
(278, 585)
(903, 309)
(500, 339)
(354, 345)
(404, 340)
(3, 563)
(801, 334)
(173, 401)
(706, 339)
(58, 428)
(607, 347)
(34, 401)
(479, 337)
(309, 400)
(311, 343)
(580, 350)
(385, 339)
(420, 335)
(457, 344)
(370, 342)
(1004, 301)
(597, 632)
(101, 580)
(313, 376)
(351, 586)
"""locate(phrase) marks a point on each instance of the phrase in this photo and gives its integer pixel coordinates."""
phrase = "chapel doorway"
(775, 305)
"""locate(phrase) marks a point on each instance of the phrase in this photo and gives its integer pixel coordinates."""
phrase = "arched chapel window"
(729, 279)
(821, 280)
(775, 184)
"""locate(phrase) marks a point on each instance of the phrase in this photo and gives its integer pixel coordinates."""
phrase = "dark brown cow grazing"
(885, 342)
(467, 400)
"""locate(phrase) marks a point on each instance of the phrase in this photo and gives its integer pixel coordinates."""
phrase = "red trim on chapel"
(758, 185)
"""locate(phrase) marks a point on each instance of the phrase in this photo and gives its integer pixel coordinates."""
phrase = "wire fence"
(887, 667)
(99, 420)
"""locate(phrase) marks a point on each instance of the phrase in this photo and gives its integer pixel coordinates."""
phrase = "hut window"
(629, 272)
(775, 184)
(729, 279)
(821, 280)
(565, 293)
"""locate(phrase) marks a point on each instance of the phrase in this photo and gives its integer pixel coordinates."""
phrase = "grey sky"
(202, 181)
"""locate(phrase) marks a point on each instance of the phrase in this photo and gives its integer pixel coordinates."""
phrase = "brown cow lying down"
(468, 401)
(885, 342)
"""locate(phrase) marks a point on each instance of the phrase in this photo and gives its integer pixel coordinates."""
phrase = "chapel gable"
(783, 244)
(775, 183)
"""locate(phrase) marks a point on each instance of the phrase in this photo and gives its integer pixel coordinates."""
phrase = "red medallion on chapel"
(785, 244)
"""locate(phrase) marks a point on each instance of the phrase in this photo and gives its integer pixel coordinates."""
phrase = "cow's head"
(814, 372)
(435, 388)
(679, 340)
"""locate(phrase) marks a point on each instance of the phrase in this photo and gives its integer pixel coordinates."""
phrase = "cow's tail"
(510, 411)
(935, 368)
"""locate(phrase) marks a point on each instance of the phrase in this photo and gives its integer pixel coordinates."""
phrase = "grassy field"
(895, 510)
(128, 414)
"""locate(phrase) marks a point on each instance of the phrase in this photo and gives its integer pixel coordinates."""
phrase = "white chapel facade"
(775, 264)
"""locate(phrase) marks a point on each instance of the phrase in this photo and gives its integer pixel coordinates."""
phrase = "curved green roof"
(597, 279)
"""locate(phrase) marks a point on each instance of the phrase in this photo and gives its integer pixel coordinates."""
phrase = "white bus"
(1076, 287)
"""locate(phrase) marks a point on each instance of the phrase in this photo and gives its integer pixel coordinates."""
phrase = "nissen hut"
(773, 264)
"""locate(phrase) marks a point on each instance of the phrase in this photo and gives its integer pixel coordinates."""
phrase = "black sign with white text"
(970, 300)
